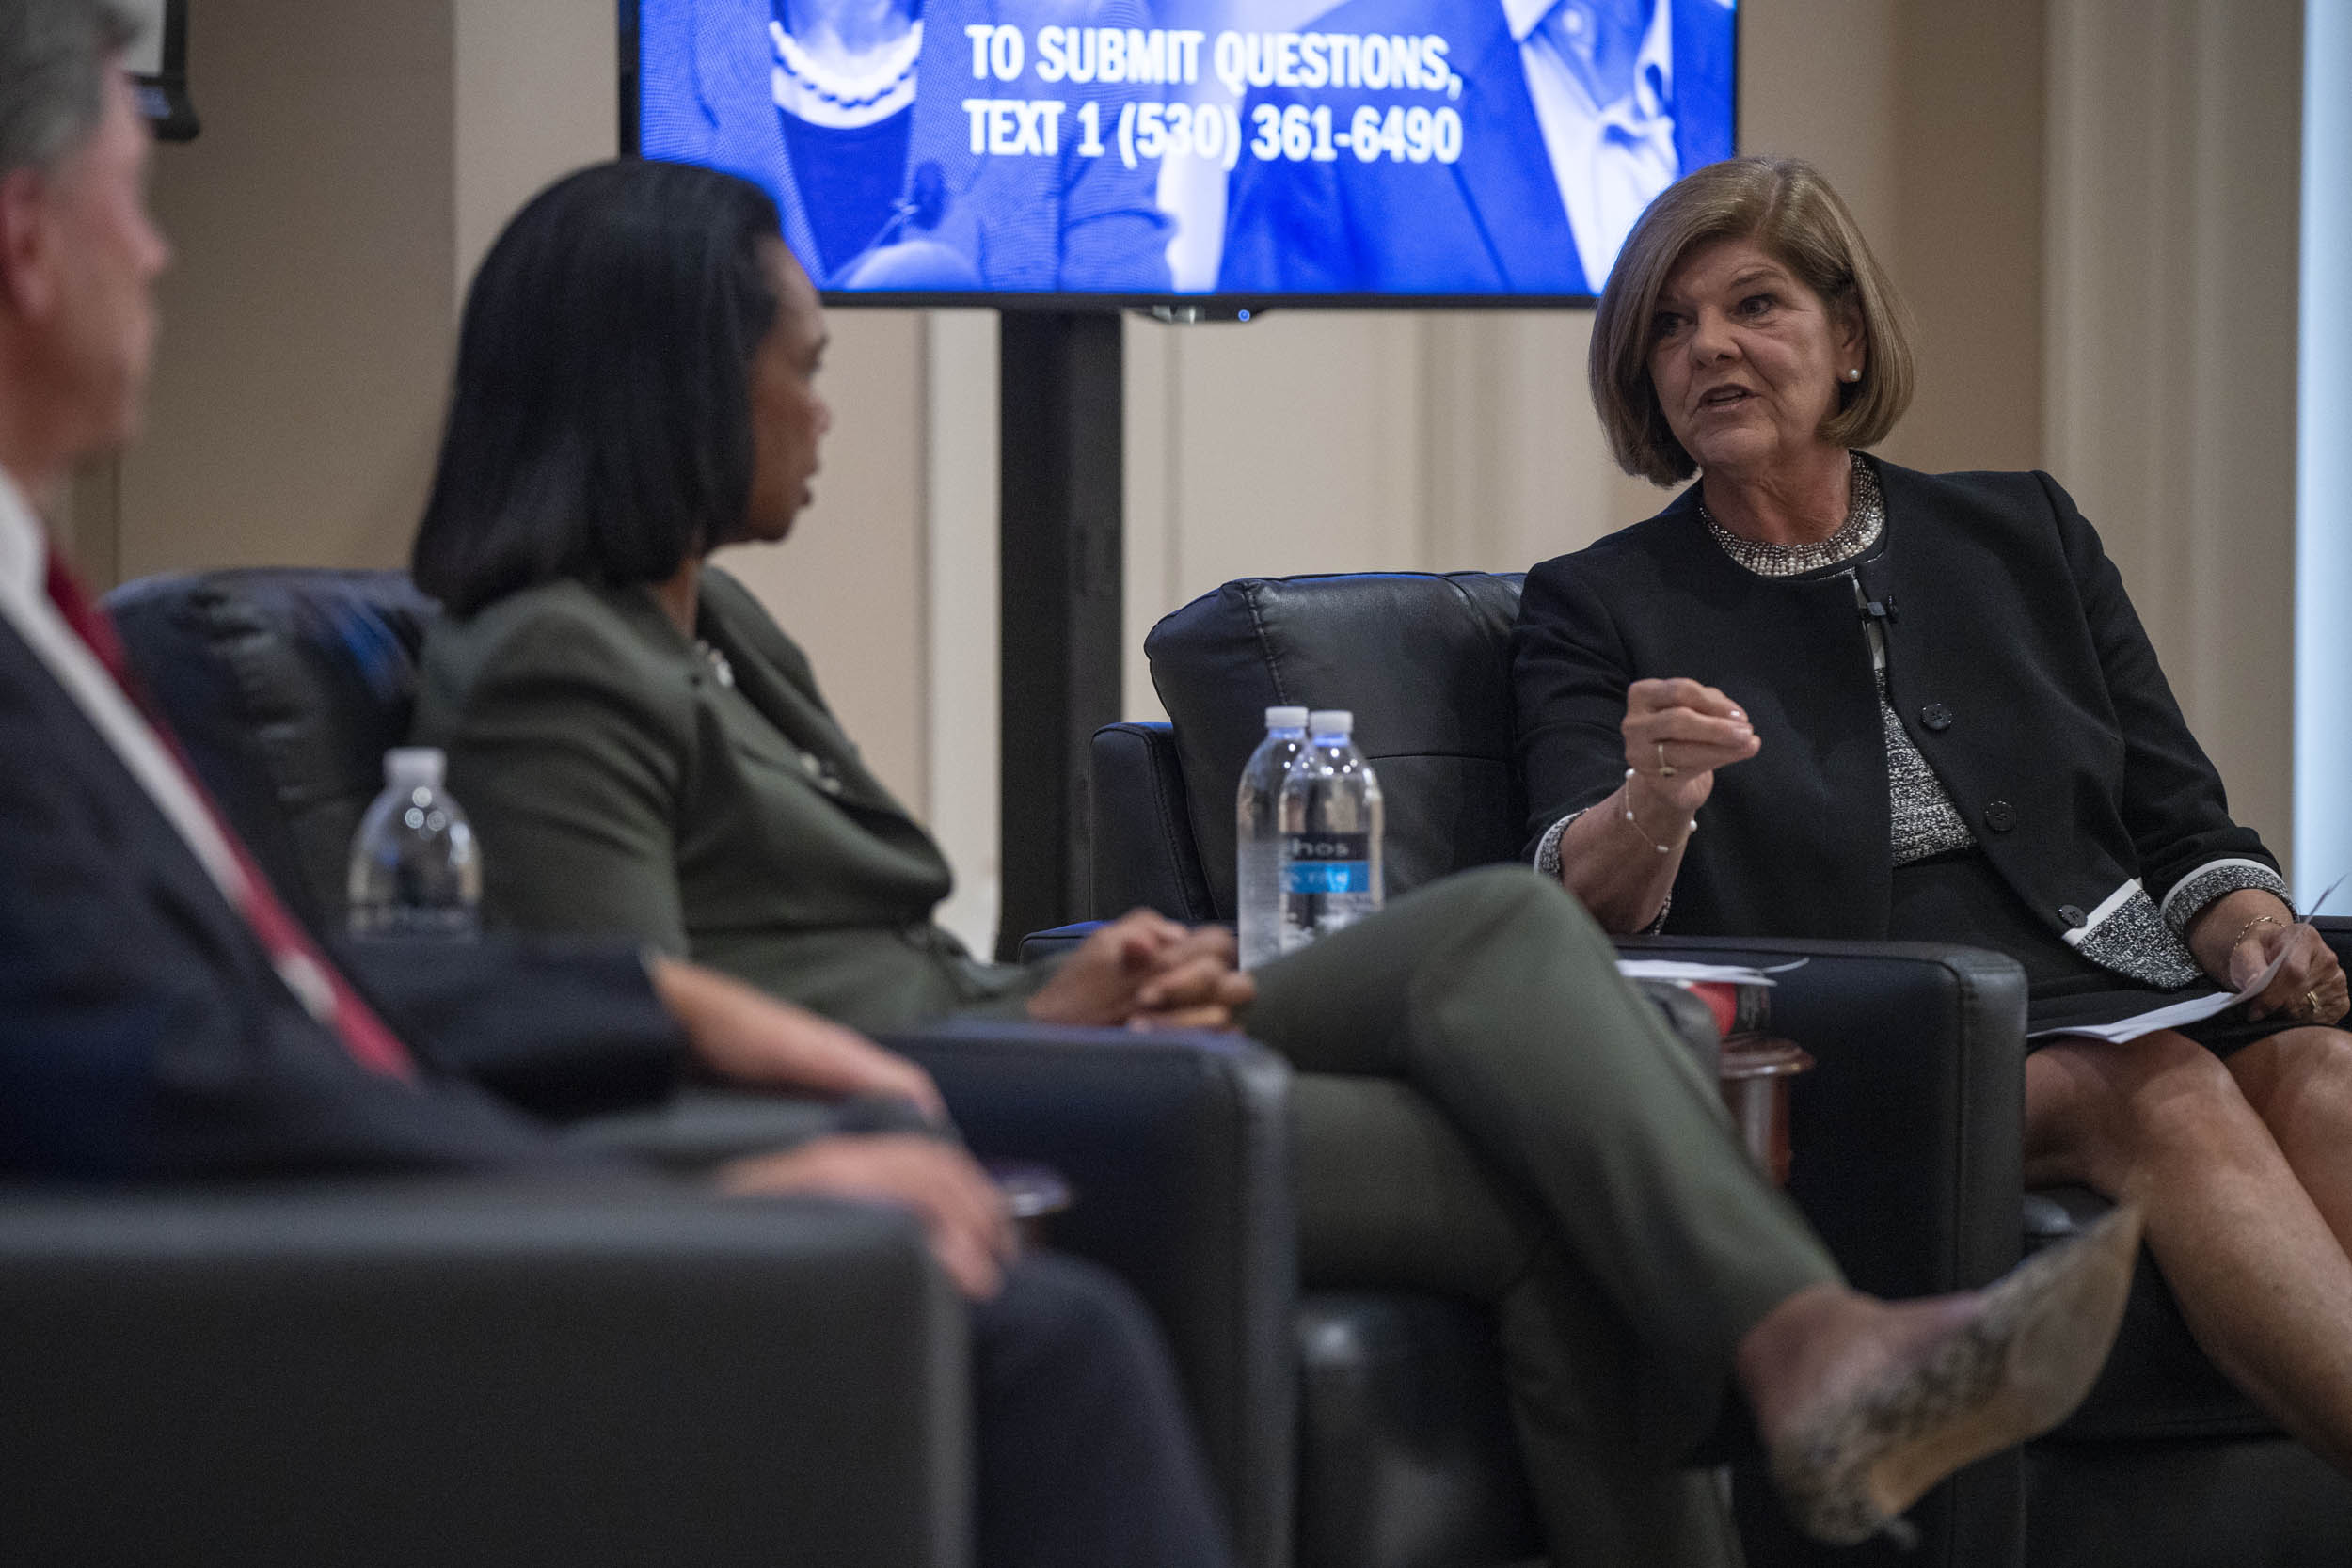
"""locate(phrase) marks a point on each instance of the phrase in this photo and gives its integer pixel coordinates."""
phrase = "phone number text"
(1214, 132)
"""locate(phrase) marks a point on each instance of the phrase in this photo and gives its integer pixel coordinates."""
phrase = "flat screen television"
(158, 64)
(1209, 155)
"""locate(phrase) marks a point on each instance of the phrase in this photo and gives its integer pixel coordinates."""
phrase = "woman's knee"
(2106, 1112)
(2296, 1067)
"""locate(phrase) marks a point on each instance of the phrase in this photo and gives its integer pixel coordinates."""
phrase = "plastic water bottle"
(1331, 819)
(1258, 834)
(415, 868)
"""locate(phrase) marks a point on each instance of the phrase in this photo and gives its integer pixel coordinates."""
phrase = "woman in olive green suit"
(642, 749)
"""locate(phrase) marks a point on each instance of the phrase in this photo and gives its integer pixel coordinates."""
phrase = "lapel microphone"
(1870, 604)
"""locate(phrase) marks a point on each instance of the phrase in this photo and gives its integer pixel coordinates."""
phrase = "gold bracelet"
(1689, 828)
(2258, 920)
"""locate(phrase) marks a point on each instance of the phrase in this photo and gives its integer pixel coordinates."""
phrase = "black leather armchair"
(1907, 1137)
(285, 688)
(473, 1376)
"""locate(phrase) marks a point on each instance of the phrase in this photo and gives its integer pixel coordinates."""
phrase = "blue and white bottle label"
(1327, 863)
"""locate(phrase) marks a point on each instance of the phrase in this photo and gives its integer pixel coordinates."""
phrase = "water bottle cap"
(414, 765)
(1286, 718)
(1332, 721)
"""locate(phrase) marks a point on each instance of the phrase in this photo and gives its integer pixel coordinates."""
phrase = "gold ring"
(1665, 768)
(2311, 1002)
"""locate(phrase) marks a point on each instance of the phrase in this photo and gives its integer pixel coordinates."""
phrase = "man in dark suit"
(161, 1014)
(1572, 115)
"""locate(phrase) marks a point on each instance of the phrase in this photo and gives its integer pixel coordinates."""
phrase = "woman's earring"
(1854, 374)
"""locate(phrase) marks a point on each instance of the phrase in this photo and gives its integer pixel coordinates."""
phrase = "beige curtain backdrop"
(2090, 207)
(2175, 153)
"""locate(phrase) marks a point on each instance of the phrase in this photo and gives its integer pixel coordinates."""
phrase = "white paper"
(2195, 1010)
(1680, 972)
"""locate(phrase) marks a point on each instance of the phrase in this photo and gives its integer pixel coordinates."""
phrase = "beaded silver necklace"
(1866, 519)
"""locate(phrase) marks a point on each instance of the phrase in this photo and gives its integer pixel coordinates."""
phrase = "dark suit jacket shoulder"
(623, 780)
(143, 1030)
(2016, 663)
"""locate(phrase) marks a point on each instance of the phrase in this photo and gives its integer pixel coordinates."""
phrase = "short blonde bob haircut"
(1791, 213)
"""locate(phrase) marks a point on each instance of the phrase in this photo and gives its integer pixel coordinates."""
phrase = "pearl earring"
(1854, 374)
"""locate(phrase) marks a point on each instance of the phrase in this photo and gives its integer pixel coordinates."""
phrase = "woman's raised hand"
(1620, 858)
(1677, 734)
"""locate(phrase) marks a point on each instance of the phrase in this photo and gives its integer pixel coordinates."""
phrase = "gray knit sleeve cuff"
(1547, 847)
(2194, 893)
(1548, 864)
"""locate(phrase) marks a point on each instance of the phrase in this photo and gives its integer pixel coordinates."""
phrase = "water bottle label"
(1329, 876)
(1327, 863)
(443, 923)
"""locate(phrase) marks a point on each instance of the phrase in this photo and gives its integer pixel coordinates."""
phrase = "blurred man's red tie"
(307, 972)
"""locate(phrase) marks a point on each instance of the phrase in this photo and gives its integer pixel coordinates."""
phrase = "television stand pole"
(1060, 602)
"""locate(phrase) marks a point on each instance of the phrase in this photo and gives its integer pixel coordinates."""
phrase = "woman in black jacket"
(1822, 695)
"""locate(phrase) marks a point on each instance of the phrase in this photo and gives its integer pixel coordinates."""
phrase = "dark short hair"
(54, 59)
(601, 424)
(1791, 212)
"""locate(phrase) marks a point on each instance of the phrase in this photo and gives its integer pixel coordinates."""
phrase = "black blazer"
(143, 1031)
(2014, 660)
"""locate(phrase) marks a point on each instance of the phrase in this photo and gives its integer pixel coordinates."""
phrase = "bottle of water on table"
(415, 869)
(1258, 834)
(1330, 818)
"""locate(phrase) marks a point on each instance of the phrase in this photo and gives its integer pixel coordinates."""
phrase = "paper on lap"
(1681, 972)
(2173, 1015)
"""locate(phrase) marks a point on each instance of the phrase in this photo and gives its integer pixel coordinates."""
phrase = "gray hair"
(53, 56)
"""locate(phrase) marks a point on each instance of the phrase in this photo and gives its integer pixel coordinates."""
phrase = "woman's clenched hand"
(1620, 857)
(1677, 734)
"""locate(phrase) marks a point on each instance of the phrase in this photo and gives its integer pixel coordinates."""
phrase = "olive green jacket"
(620, 778)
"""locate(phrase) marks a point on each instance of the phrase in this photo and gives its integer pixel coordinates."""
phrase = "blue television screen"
(1212, 151)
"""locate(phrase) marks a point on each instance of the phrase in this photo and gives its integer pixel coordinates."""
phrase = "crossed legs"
(1666, 1270)
(1501, 1108)
(2244, 1169)
(1494, 996)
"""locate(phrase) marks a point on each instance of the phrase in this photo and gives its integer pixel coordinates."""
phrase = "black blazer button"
(2073, 916)
(1935, 716)
(2000, 816)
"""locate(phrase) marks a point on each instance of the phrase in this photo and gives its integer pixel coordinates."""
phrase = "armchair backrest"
(285, 687)
(1423, 660)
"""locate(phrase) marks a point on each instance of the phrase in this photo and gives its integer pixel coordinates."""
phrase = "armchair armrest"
(1177, 1149)
(475, 1374)
(1909, 1160)
(2337, 928)
(1144, 851)
(1909, 1134)
(1055, 941)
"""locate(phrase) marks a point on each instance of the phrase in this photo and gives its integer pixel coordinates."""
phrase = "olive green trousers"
(1484, 1107)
